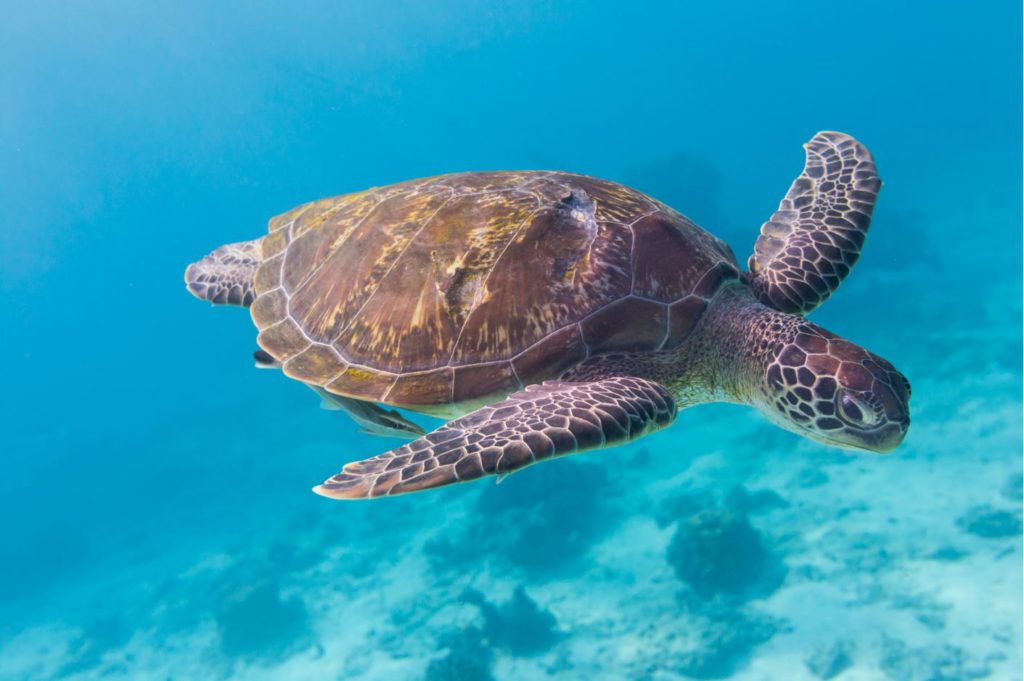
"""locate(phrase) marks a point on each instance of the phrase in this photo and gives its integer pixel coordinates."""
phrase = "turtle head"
(829, 389)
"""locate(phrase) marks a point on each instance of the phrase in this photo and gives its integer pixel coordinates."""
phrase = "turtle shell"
(457, 288)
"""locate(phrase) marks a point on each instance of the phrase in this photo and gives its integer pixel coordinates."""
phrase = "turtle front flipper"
(226, 276)
(809, 245)
(541, 422)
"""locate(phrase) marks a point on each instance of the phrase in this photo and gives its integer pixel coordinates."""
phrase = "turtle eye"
(855, 411)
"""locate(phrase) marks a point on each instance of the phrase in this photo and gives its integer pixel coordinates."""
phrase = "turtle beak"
(896, 402)
(890, 436)
(881, 440)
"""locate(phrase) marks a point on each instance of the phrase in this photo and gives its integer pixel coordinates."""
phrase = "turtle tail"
(226, 276)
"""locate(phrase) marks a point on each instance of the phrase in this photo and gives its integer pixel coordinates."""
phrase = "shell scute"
(312, 363)
(477, 380)
(555, 272)
(274, 243)
(283, 340)
(342, 280)
(668, 279)
(682, 318)
(463, 286)
(551, 356)
(617, 203)
(363, 383)
(268, 277)
(423, 388)
(626, 324)
(269, 308)
(413, 320)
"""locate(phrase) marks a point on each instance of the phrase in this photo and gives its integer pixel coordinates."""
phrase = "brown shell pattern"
(462, 287)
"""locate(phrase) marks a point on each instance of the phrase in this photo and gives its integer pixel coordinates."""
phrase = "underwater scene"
(156, 506)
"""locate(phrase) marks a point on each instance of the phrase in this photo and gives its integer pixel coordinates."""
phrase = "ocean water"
(155, 508)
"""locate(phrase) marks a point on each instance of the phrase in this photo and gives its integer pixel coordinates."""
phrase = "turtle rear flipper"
(541, 422)
(809, 245)
(225, 277)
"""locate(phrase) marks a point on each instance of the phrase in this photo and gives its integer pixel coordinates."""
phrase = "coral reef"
(681, 506)
(538, 522)
(467, 658)
(716, 552)
(809, 478)
(901, 662)
(1013, 488)
(258, 624)
(745, 501)
(722, 639)
(724, 562)
(990, 523)
(829, 661)
(519, 626)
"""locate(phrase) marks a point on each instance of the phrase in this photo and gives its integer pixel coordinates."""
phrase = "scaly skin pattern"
(549, 313)
(552, 419)
(225, 277)
(802, 377)
(823, 386)
(809, 245)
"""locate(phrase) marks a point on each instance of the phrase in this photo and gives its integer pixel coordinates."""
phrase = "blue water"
(155, 507)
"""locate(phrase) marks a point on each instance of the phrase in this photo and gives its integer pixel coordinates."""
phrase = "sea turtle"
(547, 313)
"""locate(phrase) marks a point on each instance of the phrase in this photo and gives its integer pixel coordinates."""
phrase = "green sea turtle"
(548, 313)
